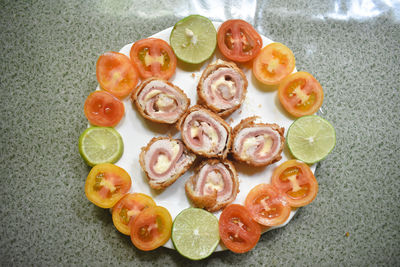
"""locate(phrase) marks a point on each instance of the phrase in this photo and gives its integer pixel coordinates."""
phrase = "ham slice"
(222, 87)
(214, 185)
(160, 101)
(164, 160)
(257, 144)
(205, 133)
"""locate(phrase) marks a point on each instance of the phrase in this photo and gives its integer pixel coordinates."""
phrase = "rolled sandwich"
(257, 144)
(164, 160)
(214, 185)
(205, 133)
(160, 101)
(222, 87)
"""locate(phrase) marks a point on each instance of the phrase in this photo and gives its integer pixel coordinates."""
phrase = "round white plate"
(136, 132)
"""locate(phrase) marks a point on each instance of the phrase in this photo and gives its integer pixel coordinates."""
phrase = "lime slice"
(100, 145)
(195, 233)
(193, 39)
(311, 138)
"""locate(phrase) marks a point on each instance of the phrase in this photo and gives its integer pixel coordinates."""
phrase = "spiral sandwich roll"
(164, 160)
(205, 133)
(160, 101)
(257, 144)
(214, 185)
(222, 87)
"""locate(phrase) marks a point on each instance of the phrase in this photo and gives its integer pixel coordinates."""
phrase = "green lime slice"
(195, 233)
(193, 39)
(100, 145)
(311, 138)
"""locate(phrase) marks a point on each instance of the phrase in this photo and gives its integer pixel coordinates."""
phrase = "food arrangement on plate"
(154, 141)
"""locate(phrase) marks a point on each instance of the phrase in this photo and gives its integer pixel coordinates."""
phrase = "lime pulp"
(193, 39)
(100, 145)
(311, 138)
(195, 233)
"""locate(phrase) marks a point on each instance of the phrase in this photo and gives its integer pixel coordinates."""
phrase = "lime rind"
(195, 233)
(193, 39)
(100, 145)
(311, 138)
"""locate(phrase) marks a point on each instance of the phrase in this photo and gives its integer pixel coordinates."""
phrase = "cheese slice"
(249, 142)
(267, 145)
(163, 163)
(151, 94)
(214, 181)
(221, 81)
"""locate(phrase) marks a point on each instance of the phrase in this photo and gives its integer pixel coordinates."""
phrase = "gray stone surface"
(48, 54)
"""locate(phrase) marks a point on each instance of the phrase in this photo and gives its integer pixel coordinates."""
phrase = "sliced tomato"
(153, 58)
(296, 181)
(238, 40)
(275, 62)
(103, 109)
(151, 228)
(127, 208)
(237, 230)
(116, 74)
(267, 205)
(300, 94)
(106, 184)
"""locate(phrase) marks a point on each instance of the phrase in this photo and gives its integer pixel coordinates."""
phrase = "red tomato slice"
(106, 184)
(128, 208)
(296, 181)
(267, 205)
(151, 228)
(153, 58)
(238, 40)
(103, 109)
(275, 62)
(300, 94)
(237, 230)
(116, 74)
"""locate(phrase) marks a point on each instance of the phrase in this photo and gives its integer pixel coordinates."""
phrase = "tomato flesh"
(300, 94)
(103, 109)
(153, 58)
(116, 74)
(128, 208)
(275, 62)
(267, 205)
(151, 228)
(106, 184)
(238, 231)
(238, 40)
(296, 181)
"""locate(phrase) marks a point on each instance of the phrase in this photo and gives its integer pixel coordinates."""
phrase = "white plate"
(136, 132)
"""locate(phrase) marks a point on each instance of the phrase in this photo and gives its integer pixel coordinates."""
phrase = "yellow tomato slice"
(300, 94)
(296, 181)
(116, 74)
(106, 184)
(151, 228)
(275, 62)
(127, 208)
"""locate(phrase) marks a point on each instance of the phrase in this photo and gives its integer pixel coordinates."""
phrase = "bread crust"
(139, 88)
(209, 202)
(153, 184)
(202, 100)
(228, 128)
(249, 123)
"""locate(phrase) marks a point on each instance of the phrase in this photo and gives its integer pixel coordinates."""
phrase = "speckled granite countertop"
(48, 55)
